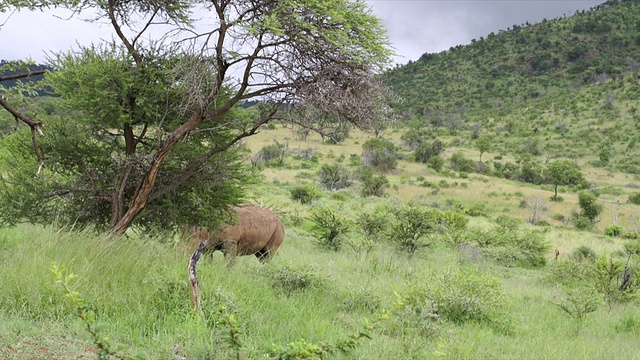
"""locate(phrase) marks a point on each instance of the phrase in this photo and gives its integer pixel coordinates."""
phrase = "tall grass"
(138, 288)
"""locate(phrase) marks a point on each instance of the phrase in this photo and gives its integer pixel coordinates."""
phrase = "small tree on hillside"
(483, 144)
(589, 206)
(562, 172)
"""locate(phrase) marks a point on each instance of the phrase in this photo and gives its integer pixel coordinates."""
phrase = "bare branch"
(22, 75)
(146, 26)
(193, 277)
(130, 47)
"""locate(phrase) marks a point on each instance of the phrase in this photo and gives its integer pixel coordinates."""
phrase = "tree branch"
(130, 47)
(36, 127)
(146, 26)
(194, 169)
(22, 75)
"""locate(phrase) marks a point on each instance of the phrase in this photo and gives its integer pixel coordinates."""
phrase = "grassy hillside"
(569, 85)
(138, 287)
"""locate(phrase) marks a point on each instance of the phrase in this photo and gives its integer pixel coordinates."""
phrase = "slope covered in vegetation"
(568, 84)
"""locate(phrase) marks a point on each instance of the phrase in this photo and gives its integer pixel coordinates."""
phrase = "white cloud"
(415, 27)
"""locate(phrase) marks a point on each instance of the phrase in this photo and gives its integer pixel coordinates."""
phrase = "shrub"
(634, 198)
(309, 154)
(372, 184)
(559, 217)
(417, 312)
(569, 272)
(453, 220)
(632, 248)
(479, 209)
(510, 245)
(270, 155)
(414, 137)
(342, 196)
(334, 177)
(373, 223)
(507, 171)
(290, 279)
(507, 224)
(614, 280)
(582, 253)
(381, 154)
(355, 160)
(461, 295)
(579, 302)
(606, 276)
(462, 164)
(328, 228)
(507, 256)
(427, 150)
(613, 230)
(581, 222)
(412, 225)
(588, 205)
(305, 193)
(530, 172)
(436, 163)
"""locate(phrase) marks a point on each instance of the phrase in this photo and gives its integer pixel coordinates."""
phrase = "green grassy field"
(138, 287)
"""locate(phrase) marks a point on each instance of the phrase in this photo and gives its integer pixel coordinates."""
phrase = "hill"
(566, 85)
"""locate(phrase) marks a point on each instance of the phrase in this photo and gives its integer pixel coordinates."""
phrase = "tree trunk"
(141, 197)
(117, 203)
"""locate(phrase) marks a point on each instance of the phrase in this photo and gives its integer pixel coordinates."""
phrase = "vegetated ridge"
(569, 85)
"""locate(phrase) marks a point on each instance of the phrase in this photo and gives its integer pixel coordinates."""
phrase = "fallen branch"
(626, 277)
(193, 278)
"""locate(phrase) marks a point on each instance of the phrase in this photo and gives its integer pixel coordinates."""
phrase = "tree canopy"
(150, 130)
(563, 172)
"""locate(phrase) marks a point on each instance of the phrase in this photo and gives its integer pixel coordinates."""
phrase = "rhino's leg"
(269, 250)
(230, 250)
(263, 254)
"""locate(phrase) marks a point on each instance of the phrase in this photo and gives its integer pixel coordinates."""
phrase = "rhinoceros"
(256, 231)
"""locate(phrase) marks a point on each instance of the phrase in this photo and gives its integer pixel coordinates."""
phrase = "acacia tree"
(562, 172)
(152, 128)
(483, 144)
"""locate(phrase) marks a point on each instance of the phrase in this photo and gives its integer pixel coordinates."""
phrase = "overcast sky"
(415, 27)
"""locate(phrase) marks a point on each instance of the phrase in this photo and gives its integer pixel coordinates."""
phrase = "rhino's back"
(254, 228)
